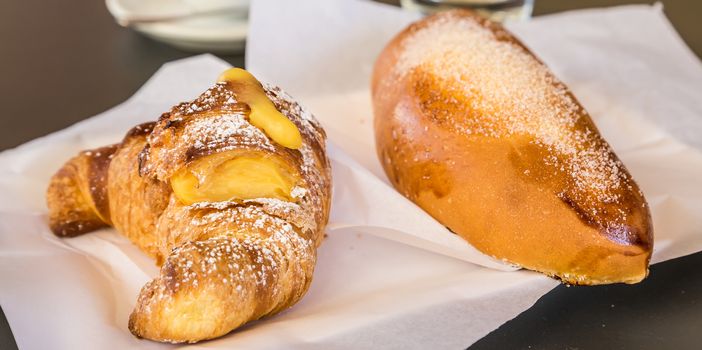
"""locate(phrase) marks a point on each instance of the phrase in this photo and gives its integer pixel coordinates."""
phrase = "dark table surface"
(64, 61)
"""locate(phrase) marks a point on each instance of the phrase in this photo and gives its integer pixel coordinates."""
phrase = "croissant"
(480, 134)
(229, 194)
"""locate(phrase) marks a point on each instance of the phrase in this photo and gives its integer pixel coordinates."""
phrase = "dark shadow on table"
(7, 340)
(662, 312)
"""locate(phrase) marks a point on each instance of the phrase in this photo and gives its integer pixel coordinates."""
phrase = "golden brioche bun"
(480, 134)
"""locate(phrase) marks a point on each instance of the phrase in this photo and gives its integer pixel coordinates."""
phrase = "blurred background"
(88, 63)
(64, 61)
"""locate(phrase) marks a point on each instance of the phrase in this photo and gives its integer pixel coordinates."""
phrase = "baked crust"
(477, 131)
(222, 263)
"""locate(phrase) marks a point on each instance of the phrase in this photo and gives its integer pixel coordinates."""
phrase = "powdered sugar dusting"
(502, 91)
(264, 270)
(259, 251)
(225, 132)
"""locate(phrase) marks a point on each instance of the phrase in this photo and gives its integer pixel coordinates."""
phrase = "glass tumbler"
(496, 10)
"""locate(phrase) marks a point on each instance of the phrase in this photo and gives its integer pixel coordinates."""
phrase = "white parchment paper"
(388, 276)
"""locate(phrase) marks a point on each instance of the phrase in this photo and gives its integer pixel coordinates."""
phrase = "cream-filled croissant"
(480, 134)
(229, 193)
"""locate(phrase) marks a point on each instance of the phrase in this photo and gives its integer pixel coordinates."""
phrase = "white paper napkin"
(626, 65)
(388, 275)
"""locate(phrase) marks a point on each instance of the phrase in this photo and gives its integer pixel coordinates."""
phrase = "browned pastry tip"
(477, 131)
(77, 197)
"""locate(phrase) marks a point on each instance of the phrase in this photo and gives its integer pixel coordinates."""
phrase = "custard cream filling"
(230, 177)
(264, 115)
